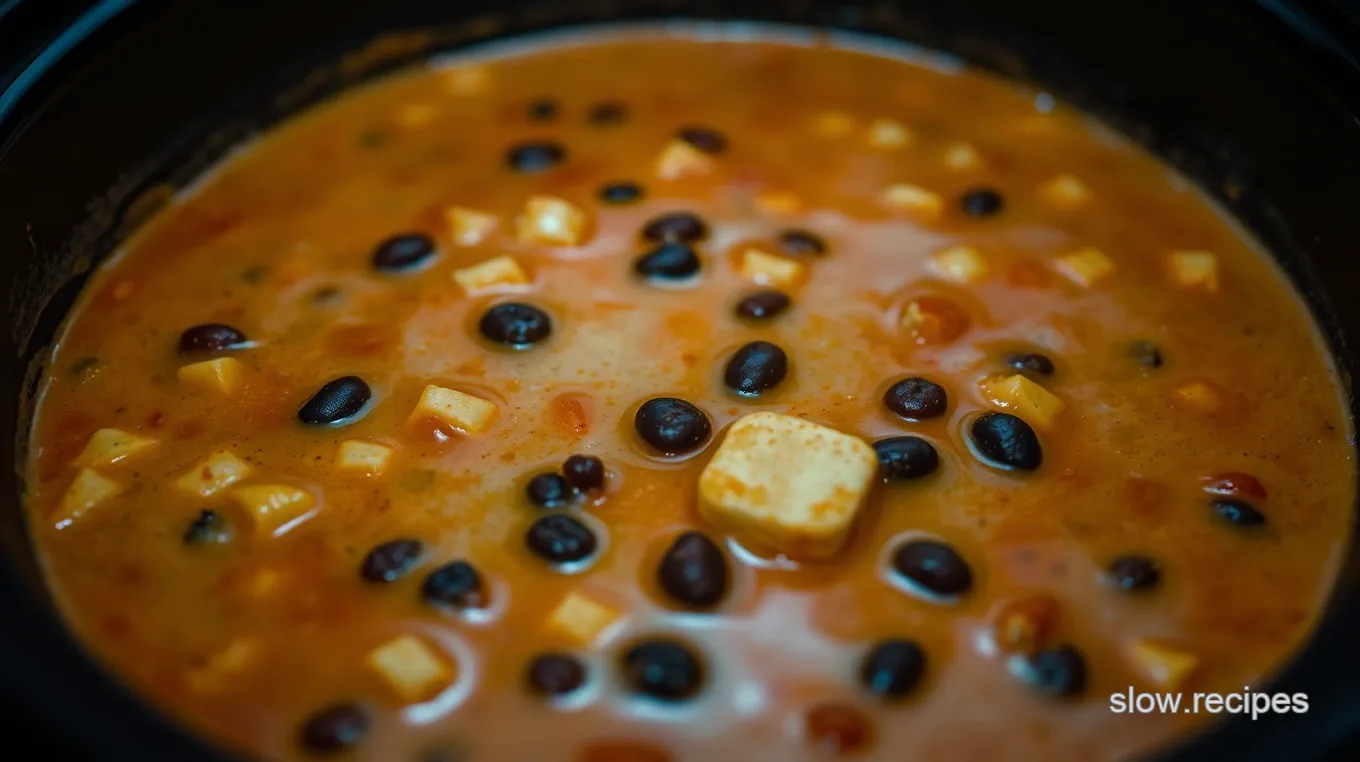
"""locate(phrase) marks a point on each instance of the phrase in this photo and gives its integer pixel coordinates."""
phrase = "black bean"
(904, 458)
(608, 112)
(535, 156)
(336, 402)
(801, 242)
(981, 202)
(672, 426)
(934, 566)
(892, 668)
(335, 728)
(621, 193)
(756, 368)
(763, 304)
(1006, 441)
(549, 491)
(555, 674)
(584, 472)
(208, 526)
(663, 669)
(543, 110)
(693, 571)
(1032, 362)
(685, 227)
(403, 252)
(1237, 512)
(1134, 573)
(456, 585)
(668, 260)
(515, 324)
(916, 399)
(391, 560)
(1058, 671)
(210, 337)
(1146, 353)
(705, 139)
(561, 539)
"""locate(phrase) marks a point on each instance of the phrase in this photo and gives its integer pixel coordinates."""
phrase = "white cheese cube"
(961, 264)
(108, 446)
(769, 269)
(502, 273)
(413, 670)
(784, 484)
(217, 472)
(885, 133)
(962, 156)
(1026, 399)
(87, 491)
(469, 227)
(913, 199)
(464, 412)
(273, 509)
(1086, 267)
(363, 457)
(1195, 269)
(551, 221)
(222, 375)
(581, 618)
(680, 159)
(1065, 192)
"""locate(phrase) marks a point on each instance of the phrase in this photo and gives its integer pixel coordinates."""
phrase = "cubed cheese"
(273, 509)
(915, 200)
(961, 264)
(1026, 399)
(108, 446)
(581, 618)
(413, 670)
(469, 227)
(464, 412)
(1200, 395)
(551, 221)
(680, 159)
(885, 133)
(1065, 192)
(87, 491)
(1162, 665)
(962, 156)
(1195, 269)
(769, 269)
(363, 457)
(1085, 267)
(778, 202)
(217, 472)
(784, 484)
(221, 375)
(502, 273)
(834, 124)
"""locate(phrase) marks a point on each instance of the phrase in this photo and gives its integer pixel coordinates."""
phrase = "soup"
(670, 395)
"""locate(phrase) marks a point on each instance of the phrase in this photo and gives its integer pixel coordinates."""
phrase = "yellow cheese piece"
(464, 412)
(961, 264)
(769, 269)
(778, 202)
(962, 156)
(502, 273)
(109, 446)
(273, 509)
(1036, 405)
(413, 670)
(1164, 666)
(680, 159)
(363, 457)
(581, 618)
(1200, 395)
(1195, 270)
(1086, 267)
(551, 221)
(1065, 192)
(222, 375)
(215, 473)
(88, 490)
(916, 200)
(885, 133)
(469, 227)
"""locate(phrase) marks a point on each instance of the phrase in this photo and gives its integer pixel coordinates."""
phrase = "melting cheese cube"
(1165, 666)
(1201, 395)
(769, 269)
(88, 490)
(1065, 192)
(778, 202)
(551, 221)
(913, 199)
(410, 668)
(502, 273)
(468, 414)
(1086, 267)
(1030, 401)
(580, 618)
(217, 472)
(961, 156)
(834, 124)
(680, 159)
(363, 457)
(961, 264)
(785, 484)
(273, 509)
(469, 227)
(108, 446)
(222, 375)
(885, 133)
(1195, 269)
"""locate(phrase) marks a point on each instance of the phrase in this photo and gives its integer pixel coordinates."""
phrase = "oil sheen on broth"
(909, 417)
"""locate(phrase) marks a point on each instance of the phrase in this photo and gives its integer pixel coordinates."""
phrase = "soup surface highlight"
(664, 397)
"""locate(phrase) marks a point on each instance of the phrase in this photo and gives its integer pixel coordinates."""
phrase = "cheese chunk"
(1086, 267)
(1164, 666)
(464, 412)
(885, 133)
(962, 156)
(469, 227)
(680, 159)
(502, 273)
(1195, 269)
(410, 668)
(778, 202)
(222, 375)
(88, 490)
(363, 457)
(217, 472)
(785, 484)
(769, 269)
(580, 618)
(1065, 192)
(551, 221)
(108, 446)
(273, 509)
(961, 264)
(1026, 399)
(910, 198)
(1200, 395)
